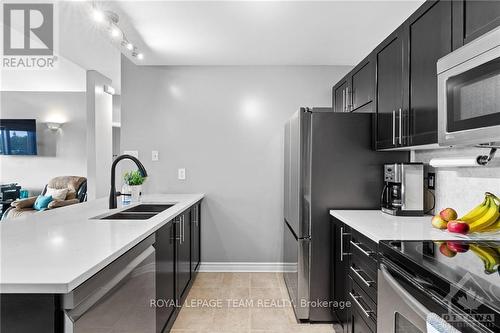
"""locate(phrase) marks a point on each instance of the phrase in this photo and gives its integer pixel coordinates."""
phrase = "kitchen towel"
(436, 324)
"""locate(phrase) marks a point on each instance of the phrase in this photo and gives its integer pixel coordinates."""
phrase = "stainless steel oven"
(417, 282)
(469, 93)
(118, 298)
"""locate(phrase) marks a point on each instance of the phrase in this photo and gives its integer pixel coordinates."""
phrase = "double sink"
(139, 212)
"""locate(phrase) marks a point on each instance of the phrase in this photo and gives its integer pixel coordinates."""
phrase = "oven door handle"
(418, 307)
(75, 313)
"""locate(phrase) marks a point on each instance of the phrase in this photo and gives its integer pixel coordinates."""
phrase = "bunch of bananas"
(490, 256)
(484, 217)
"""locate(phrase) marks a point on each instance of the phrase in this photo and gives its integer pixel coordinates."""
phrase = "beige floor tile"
(269, 319)
(243, 314)
(235, 297)
(194, 319)
(232, 319)
(208, 280)
(264, 280)
(236, 280)
(275, 294)
(204, 293)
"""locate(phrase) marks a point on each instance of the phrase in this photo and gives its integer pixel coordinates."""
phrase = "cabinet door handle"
(393, 127)
(355, 298)
(400, 126)
(342, 234)
(347, 102)
(183, 228)
(365, 252)
(177, 230)
(357, 272)
(343, 100)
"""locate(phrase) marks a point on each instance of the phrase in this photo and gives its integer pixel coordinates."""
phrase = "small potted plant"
(134, 179)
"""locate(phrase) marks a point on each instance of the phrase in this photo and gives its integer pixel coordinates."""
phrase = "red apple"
(438, 222)
(448, 214)
(458, 226)
(446, 251)
(457, 246)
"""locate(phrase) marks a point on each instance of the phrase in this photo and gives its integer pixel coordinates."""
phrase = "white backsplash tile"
(461, 188)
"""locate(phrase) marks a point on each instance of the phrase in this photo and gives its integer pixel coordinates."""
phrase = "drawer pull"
(355, 298)
(342, 253)
(357, 271)
(365, 252)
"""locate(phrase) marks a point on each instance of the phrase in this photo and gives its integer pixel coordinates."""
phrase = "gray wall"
(59, 153)
(225, 126)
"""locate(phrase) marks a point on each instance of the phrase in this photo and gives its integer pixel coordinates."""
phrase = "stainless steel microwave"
(469, 93)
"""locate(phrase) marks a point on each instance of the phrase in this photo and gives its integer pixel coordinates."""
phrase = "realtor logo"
(469, 294)
(28, 29)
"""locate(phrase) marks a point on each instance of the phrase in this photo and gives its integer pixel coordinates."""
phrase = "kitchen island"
(47, 256)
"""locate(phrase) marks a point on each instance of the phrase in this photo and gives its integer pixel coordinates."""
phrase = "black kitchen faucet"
(112, 193)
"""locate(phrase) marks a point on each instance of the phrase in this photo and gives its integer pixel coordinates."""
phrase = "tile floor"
(240, 303)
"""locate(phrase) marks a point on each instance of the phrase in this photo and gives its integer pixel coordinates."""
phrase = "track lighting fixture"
(110, 20)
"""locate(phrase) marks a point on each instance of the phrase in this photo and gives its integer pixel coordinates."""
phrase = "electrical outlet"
(431, 181)
(181, 174)
(154, 155)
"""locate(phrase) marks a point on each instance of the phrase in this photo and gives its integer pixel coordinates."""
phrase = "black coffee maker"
(403, 193)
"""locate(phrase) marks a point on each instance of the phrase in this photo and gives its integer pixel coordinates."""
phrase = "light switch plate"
(134, 153)
(181, 174)
(154, 155)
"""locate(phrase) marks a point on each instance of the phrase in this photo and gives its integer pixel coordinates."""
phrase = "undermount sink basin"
(148, 208)
(128, 216)
(140, 212)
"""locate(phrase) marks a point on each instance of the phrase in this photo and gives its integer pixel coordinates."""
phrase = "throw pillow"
(42, 202)
(57, 194)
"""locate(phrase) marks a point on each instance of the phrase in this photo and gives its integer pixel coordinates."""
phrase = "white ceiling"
(259, 32)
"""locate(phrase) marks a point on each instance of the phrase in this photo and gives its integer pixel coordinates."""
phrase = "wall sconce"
(109, 90)
(54, 126)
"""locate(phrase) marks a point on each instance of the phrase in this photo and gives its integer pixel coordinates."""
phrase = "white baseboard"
(246, 267)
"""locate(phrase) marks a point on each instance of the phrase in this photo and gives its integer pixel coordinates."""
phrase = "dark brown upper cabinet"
(407, 77)
(339, 96)
(428, 38)
(398, 80)
(355, 92)
(389, 91)
(473, 18)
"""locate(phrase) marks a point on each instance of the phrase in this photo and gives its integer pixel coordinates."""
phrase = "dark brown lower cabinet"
(340, 268)
(165, 274)
(354, 280)
(182, 254)
(174, 259)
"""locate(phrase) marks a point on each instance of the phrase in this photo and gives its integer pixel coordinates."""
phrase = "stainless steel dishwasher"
(117, 298)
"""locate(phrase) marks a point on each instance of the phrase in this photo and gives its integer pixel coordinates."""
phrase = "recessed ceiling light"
(130, 46)
(140, 56)
(97, 15)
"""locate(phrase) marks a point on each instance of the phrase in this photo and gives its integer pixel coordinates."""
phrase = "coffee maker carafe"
(403, 193)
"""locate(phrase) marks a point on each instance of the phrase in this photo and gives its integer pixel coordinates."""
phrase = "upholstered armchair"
(76, 193)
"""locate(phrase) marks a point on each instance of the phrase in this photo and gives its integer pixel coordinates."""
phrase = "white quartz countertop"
(380, 226)
(56, 250)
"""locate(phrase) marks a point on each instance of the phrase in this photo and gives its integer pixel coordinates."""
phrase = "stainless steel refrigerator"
(329, 164)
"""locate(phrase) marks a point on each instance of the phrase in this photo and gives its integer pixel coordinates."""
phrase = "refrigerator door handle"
(393, 127)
